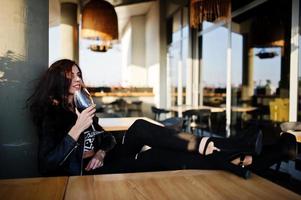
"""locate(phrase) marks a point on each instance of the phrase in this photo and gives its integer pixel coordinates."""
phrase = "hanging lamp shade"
(99, 21)
(208, 10)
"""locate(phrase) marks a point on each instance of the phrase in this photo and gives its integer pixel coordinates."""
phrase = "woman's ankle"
(245, 161)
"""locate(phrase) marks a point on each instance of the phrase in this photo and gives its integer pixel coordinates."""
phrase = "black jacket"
(59, 153)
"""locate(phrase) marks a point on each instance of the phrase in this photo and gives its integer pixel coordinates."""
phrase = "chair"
(291, 149)
(135, 107)
(197, 119)
(279, 110)
(107, 115)
(119, 106)
(293, 126)
(175, 123)
(158, 112)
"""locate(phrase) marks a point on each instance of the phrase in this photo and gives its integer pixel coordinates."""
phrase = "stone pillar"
(69, 32)
(248, 67)
(163, 53)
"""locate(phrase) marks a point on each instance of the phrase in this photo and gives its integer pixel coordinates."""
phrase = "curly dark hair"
(52, 89)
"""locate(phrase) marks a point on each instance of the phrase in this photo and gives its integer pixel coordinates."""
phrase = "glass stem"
(93, 127)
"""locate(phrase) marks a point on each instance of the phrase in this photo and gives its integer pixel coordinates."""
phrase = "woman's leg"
(145, 133)
(156, 159)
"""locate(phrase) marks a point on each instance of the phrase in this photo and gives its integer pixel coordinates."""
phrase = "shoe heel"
(238, 170)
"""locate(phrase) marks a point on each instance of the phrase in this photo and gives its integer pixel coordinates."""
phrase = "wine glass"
(82, 100)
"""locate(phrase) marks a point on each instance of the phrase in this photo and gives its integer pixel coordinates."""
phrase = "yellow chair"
(279, 109)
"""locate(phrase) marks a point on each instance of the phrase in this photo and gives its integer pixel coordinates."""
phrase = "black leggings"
(169, 151)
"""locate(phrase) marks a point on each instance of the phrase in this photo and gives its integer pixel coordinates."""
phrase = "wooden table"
(122, 123)
(183, 184)
(33, 188)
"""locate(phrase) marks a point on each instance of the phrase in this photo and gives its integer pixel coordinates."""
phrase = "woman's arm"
(84, 121)
(58, 143)
(55, 145)
(96, 161)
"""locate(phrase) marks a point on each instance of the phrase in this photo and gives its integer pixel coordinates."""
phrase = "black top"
(59, 153)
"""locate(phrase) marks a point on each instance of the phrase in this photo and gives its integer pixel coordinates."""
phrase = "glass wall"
(299, 78)
(299, 67)
(177, 58)
(236, 75)
(265, 64)
(214, 66)
(213, 72)
(259, 53)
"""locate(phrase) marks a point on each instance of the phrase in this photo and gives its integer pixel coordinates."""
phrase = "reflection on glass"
(214, 67)
(299, 83)
(177, 56)
(236, 82)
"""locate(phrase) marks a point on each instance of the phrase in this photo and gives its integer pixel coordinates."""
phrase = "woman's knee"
(139, 123)
(136, 127)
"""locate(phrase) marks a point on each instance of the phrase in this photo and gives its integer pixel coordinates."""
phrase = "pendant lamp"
(99, 22)
(264, 54)
(208, 10)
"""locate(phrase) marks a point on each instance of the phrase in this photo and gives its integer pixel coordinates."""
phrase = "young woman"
(67, 147)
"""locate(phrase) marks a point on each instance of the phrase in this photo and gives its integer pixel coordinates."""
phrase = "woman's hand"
(96, 161)
(84, 121)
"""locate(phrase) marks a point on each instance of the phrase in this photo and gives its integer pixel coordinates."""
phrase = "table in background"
(182, 184)
(243, 108)
(122, 123)
(183, 108)
(52, 188)
(242, 111)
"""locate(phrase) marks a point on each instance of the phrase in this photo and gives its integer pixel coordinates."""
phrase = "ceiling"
(125, 12)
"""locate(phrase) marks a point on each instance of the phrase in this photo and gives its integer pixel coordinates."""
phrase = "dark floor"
(283, 179)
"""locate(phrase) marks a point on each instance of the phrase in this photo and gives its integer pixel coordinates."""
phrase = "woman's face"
(76, 80)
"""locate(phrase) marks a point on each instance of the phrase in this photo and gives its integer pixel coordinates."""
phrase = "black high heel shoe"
(239, 170)
(241, 160)
(251, 145)
(223, 161)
